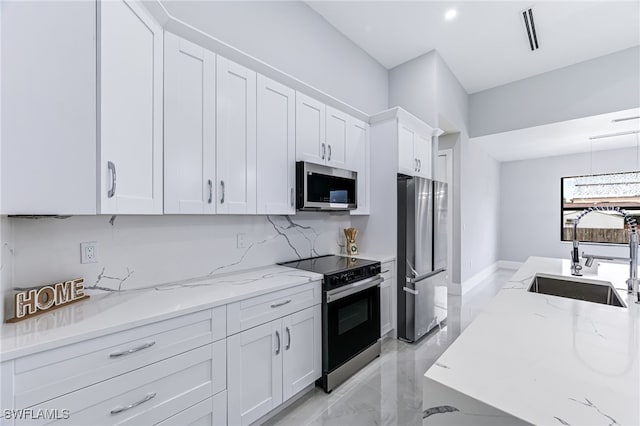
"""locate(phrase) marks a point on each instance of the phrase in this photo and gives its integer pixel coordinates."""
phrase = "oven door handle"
(350, 289)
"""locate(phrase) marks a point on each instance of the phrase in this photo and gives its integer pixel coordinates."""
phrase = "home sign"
(33, 302)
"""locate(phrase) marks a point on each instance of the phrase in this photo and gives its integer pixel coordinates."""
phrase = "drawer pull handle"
(276, 305)
(385, 271)
(130, 351)
(288, 338)
(147, 397)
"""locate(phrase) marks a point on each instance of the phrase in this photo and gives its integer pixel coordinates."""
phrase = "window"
(615, 190)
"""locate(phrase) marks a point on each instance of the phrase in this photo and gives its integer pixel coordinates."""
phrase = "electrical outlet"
(241, 240)
(89, 252)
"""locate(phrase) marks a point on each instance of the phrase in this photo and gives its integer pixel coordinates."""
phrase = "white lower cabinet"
(302, 357)
(270, 363)
(210, 412)
(388, 298)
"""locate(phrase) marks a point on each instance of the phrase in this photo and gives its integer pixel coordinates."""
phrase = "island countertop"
(551, 360)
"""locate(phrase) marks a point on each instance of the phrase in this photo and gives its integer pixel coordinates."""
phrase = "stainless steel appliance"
(325, 188)
(350, 314)
(422, 256)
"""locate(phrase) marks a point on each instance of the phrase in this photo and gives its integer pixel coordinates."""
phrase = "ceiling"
(486, 45)
(565, 137)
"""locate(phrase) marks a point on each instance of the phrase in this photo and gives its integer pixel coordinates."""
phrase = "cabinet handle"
(419, 165)
(385, 271)
(288, 338)
(222, 196)
(275, 305)
(415, 168)
(146, 398)
(130, 351)
(278, 339)
(292, 197)
(324, 151)
(210, 191)
(329, 159)
(112, 169)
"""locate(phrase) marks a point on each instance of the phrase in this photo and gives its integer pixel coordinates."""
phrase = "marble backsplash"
(141, 251)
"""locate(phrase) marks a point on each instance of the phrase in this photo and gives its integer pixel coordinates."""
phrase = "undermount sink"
(590, 291)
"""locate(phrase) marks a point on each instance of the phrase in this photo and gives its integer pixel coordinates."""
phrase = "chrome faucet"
(632, 282)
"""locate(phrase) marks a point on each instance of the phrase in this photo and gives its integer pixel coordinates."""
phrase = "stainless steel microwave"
(325, 188)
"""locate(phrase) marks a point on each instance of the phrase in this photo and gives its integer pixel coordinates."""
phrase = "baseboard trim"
(508, 264)
(459, 289)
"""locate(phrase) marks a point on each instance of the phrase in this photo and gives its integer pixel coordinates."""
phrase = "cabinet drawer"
(258, 310)
(210, 412)
(147, 395)
(49, 374)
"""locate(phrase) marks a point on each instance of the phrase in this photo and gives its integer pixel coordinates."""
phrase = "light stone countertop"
(550, 360)
(111, 312)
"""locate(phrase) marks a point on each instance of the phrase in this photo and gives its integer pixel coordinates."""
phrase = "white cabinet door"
(130, 99)
(337, 124)
(358, 160)
(189, 127)
(423, 154)
(236, 138)
(310, 130)
(407, 163)
(387, 298)
(302, 350)
(385, 308)
(254, 372)
(276, 149)
(49, 114)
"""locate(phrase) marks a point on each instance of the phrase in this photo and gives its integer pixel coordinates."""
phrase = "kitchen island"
(531, 358)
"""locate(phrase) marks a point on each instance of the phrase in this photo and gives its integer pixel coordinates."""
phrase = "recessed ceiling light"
(450, 14)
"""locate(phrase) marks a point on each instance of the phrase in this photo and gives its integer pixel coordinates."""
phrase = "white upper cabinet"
(337, 123)
(407, 161)
(236, 138)
(189, 127)
(414, 149)
(276, 151)
(310, 129)
(423, 154)
(358, 159)
(49, 107)
(130, 119)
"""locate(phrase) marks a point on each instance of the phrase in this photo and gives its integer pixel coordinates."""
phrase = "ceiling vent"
(527, 15)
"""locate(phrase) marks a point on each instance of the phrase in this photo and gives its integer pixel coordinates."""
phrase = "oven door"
(351, 321)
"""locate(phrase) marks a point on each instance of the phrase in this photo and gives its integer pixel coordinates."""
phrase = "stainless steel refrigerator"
(422, 256)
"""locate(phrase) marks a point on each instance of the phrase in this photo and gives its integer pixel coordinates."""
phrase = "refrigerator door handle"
(423, 277)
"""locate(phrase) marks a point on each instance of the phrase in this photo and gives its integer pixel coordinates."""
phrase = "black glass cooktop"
(330, 264)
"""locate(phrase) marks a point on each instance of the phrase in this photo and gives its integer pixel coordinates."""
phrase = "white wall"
(605, 84)
(530, 202)
(152, 250)
(292, 37)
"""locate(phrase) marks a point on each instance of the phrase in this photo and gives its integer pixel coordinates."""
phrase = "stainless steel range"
(350, 314)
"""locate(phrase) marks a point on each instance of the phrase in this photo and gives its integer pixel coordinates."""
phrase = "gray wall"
(412, 86)
(292, 37)
(530, 202)
(605, 84)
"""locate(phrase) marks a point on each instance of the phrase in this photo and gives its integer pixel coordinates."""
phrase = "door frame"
(448, 154)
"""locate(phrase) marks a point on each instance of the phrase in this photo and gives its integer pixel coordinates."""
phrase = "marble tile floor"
(388, 391)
